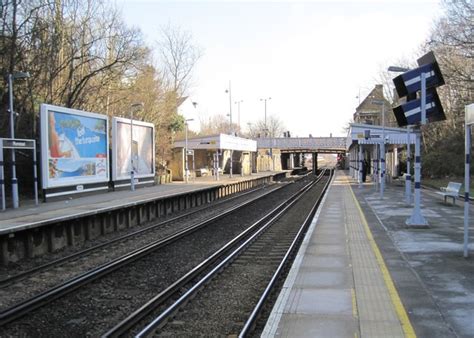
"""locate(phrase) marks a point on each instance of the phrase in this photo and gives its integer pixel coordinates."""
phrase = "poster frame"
(115, 121)
(78, 182)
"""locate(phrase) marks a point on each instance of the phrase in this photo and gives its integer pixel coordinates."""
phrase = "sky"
(312, 58)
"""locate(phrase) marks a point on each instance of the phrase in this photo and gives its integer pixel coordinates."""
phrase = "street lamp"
(132, 169)
(238, 110)
(265, 100)
(382, 146)
(229, 91)
(230, 115)
(186, 174)
(11, 77)
(408, 176)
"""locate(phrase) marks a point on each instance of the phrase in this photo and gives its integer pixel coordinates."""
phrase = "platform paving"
(29, 214)
(361, 272)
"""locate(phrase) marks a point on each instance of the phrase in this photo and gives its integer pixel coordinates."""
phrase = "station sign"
(11, 143)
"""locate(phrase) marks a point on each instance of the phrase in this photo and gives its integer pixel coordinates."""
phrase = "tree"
(178, 58)
(273, 128)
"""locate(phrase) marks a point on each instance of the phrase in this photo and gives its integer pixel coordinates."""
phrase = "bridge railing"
(302, 143)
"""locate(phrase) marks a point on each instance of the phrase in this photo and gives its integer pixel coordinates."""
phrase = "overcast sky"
(312, 57)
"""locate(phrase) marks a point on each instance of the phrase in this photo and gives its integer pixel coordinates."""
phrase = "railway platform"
(361, 272)
(32, 230)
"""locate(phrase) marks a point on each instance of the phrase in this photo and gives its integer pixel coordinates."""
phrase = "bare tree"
(178, 58)
(273, 128)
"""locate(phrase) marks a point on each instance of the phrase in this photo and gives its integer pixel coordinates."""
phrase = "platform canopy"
(372, 134)
(216, 142)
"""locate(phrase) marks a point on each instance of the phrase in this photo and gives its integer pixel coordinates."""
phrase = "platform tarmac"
(28, 213)
(361, 272)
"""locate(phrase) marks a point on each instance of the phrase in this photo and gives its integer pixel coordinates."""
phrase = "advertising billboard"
(74, 147)
(141, 147)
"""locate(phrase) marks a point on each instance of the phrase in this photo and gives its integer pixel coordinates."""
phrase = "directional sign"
(424, 80)
(410, 81)
(410, 112)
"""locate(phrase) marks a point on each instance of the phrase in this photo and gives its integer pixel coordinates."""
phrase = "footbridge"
(329, 145)
(289, 151)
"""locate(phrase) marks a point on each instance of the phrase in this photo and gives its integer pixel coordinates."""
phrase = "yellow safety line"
(396, 301)
(354, 303)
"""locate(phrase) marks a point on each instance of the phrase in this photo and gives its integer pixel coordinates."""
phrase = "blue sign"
(410, 82)
(410, 112)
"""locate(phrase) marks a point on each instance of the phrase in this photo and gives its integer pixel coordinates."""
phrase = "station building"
(212, 155)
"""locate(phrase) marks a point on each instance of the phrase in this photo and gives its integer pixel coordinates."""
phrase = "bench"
(452, 190)
(202, 172)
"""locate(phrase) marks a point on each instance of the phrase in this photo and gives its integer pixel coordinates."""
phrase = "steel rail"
(126, 324)
(74, 283)
(258, 307)
(7, 281)
(171, 310)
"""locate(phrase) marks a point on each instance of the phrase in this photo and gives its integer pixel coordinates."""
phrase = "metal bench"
(452, 190)
(201, 172)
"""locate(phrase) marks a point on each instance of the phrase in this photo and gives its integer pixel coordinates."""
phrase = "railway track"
(229, 299)
(96, 290)
(67, 267)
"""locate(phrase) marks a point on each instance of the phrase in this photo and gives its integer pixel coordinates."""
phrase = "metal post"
(231, 131)
(408, 176)
(186, 169)
(12, 135)
(382, 153)
(35, 174)
(360, 165)
(466, 189)
(265, 118)
(382, 168)
(375, 164)
(132, 171)
(231, 160)
(2, 176)
(423, 98)
(416, 217)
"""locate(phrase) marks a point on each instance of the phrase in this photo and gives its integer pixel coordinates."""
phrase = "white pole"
(466, 189)
(408, 176)
(360, 165)
(186, 169)
(132, 171)
(382, 152)
(416, 217)
(15, 198)
(2, 175)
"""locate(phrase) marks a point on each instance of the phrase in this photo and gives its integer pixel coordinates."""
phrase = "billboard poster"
(141, 147)
(74, 147)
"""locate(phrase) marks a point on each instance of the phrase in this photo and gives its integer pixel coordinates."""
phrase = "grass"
(443, 182)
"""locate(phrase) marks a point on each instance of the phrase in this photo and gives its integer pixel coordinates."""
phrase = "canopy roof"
(358, 133)
(216, 142)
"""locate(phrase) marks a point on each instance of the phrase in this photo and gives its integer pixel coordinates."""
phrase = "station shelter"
(214, 155)
(364, 144)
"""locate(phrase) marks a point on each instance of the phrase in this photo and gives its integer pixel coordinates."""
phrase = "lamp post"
(397, 69)
(265, 100)
(229, 91)
(186, 168)
(132, 169)
(11, 77)
(238, 111)
(382, 146)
